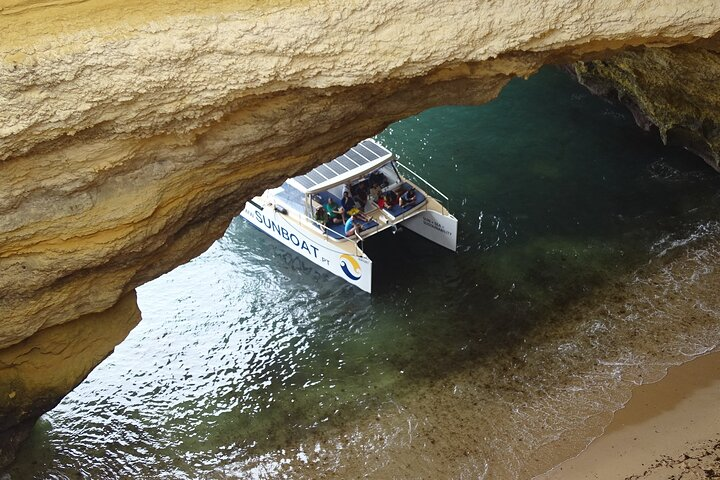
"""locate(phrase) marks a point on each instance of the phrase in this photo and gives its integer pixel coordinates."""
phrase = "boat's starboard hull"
(353, 268)
(436, 227)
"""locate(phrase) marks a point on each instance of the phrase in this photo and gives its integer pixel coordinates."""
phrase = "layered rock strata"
(132, 133)
(675, 90)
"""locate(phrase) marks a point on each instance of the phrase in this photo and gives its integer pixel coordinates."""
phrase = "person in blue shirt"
(353, 225)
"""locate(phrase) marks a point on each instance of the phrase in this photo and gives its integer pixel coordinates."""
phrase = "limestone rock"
(37, 373)
(131, 132)
(675, 89)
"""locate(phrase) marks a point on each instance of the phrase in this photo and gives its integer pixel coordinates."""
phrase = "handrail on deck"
(325, 228)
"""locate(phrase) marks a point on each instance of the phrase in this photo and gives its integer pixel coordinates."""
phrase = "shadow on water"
(250, 348)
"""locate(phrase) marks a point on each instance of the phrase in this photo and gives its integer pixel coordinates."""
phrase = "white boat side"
(286, 213)
(342, 258)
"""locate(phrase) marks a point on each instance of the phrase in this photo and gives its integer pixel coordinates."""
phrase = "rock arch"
(132, 133)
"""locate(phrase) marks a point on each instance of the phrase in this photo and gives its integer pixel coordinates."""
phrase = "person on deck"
(348, 203)
(391, 199)
(408, 198)
(375, 194)
(335, 212)
(353, 225)
(381, 201)
(322, 217)
(377, 179)
(361, 194)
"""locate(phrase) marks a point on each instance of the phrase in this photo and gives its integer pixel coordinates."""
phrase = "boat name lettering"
(437, 226)
(283, 232)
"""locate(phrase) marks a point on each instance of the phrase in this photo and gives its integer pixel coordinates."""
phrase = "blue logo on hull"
(347, 259)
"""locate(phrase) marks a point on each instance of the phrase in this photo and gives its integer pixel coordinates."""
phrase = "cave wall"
(675, 90)
(133, 132)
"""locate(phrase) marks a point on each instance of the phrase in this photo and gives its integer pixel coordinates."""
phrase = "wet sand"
(669, 429)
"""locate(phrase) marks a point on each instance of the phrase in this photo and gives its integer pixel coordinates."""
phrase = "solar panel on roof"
(358, 157)
(338, 167)
(365, 153)
(304, 181)
(355, 157)
(315, 177)
(377, 149)
(346, 162)
(326, 172)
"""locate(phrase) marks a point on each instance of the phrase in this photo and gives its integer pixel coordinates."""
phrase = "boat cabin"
(305, 212)
(369, 172)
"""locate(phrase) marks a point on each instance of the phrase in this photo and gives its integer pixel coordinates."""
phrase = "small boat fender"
(281, 209)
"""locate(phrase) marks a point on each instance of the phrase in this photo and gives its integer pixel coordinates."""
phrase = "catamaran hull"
(436, 227)
(354, 269)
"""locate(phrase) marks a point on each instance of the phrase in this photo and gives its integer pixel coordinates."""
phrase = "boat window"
(291, 197)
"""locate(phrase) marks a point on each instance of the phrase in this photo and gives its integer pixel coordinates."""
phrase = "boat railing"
(325, 229)
(428, 184)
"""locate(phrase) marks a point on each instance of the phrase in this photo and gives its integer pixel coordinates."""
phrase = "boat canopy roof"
(360, 160)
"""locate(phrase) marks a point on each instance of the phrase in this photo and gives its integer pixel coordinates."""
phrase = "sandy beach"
(668, 430)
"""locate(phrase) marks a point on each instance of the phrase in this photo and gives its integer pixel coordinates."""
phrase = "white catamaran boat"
(293, 213)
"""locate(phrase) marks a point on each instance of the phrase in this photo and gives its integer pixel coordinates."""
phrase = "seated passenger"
(376, 179)
(353, 225)
(348, 203)
(335, 212)
(375, 193)
(391, 199)
(321, 216)
(408, 198)
(381, 201)
(361, 194)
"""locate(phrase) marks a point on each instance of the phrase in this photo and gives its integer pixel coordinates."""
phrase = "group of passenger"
(330, 214)
(355, 198)
(389, 199)
(333, 214)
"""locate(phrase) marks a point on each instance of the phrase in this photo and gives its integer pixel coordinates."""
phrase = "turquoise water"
(252, 362)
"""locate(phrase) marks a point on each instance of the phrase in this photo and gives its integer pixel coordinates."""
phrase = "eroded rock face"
(37, 373)
(674, 89)
(132, 133)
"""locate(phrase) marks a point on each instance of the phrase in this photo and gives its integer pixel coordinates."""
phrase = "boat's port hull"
(342, 258)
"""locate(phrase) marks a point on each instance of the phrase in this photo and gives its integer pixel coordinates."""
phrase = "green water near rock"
(252, 362)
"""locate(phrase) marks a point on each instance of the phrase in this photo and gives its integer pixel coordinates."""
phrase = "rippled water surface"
(584, 245)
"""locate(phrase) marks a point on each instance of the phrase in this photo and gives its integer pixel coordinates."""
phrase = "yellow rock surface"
(132, 132)
(36, 373)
